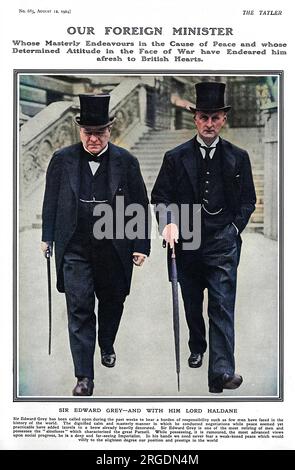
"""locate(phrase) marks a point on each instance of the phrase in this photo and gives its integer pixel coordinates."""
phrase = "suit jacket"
(178, 181)
(60, 205)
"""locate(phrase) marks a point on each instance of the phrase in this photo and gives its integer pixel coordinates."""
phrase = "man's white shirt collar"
(94, 165)
(213, 146)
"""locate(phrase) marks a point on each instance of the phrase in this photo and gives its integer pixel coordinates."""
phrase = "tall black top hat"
(94, 111)
(210, 97)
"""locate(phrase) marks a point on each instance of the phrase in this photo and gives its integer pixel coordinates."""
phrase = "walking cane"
(174, 284)
(47, 256)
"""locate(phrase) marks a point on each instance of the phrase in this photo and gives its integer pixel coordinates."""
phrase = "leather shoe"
(228, 382)
(84, 387)
(108, 359)
(195, 360)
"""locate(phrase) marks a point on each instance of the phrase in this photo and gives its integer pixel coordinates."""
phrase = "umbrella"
(174, 285)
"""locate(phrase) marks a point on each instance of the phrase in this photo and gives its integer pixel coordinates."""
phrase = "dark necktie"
(207, 153)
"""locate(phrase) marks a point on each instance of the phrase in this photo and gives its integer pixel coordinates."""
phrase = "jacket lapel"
(114, 171)
(229, 169)
(73, 160)
(228, 159)
(190, 163)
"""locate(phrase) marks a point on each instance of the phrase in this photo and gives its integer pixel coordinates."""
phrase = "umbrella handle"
(164, 244)
(173, 252)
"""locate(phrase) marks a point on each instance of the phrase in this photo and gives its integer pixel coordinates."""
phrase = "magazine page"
(146, 245)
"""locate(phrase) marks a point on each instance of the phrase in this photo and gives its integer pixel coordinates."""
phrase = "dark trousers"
(213, 266)
(92, 268)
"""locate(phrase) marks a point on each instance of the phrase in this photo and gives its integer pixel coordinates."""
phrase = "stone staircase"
(152, 146)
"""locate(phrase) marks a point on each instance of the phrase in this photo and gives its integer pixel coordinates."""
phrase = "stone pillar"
(142, 104)
(271, 171)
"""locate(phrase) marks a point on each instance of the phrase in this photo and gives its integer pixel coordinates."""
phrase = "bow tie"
(94, 158)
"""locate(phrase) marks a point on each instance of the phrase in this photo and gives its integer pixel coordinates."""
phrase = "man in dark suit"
(216, 176)
(82, 179)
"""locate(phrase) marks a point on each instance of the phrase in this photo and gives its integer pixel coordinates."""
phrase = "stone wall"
(271, 172)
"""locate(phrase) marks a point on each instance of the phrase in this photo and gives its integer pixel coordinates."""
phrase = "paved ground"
(145, 351)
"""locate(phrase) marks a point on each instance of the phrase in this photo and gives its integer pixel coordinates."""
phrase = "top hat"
(94, 111)
(210, 97)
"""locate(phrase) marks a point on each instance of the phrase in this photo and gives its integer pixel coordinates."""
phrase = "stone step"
(258, 228)
(254, 228)
(257, 216)
(163, 141)
(255, 222)
(160, 147)
(166, 137)
(147, 159)
(258, 181)
(148, 152)
(169, 135)
(147, 166)
(166, 134)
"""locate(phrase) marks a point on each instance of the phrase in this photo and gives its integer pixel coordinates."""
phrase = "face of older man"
(209, 125)
(93, 139)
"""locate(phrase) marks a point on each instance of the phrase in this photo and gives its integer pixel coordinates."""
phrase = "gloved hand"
(138, 259)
